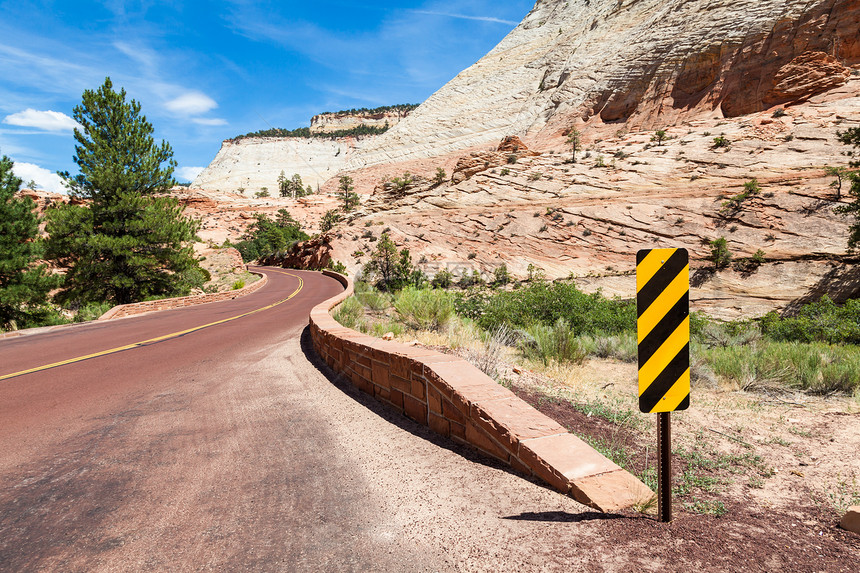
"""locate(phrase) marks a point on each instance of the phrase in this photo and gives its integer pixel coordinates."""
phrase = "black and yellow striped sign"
(663, 309)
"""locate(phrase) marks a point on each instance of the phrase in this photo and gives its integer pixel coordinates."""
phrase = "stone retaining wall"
(460, 402)
(132, 309)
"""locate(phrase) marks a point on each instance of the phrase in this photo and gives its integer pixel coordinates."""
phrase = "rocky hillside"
(640, 63)
(750, 95)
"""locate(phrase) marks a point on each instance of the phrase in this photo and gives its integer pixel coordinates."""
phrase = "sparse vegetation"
(659, 136)
(721, 142)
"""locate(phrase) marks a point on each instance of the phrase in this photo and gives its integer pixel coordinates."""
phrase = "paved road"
(232, 448)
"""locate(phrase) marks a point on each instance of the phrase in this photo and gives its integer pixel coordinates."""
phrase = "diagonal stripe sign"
(663, 324)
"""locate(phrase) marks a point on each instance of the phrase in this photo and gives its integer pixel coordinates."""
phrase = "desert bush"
(820, 321)
(349, 312)
(426, 309)
(374, 299)
(442, 279)
(551, 342)
(380, 329)
(545, 303)
(489, 358)
(816, 368)
(622, 346)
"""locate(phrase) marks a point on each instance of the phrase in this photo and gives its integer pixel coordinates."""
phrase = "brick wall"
(460, 402)
(124, 310)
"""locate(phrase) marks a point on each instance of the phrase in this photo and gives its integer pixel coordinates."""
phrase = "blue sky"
(207, 71)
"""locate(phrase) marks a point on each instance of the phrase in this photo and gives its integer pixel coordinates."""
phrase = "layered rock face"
(645, 63)
(331, 122)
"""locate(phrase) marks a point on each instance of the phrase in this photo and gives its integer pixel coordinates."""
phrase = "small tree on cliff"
(574, 139)
(131, 242)
(345, 189)
(23, 286)
(852, 137)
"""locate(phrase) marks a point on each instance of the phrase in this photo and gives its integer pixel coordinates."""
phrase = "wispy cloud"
(44, 179)
(209, 122)
(188, 173)
(465, 17)
(191, 103)
(44, 120)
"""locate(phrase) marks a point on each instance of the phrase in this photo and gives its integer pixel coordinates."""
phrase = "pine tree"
(23, 286)
(574, 138)
(346, 188)
(131, 242)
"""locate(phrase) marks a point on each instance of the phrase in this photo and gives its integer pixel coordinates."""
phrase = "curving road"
(232, 448)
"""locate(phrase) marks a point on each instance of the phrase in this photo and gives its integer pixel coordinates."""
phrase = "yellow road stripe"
(676, 395)
(649, 266)
(158, 339)
(667, 299)
(664, 355)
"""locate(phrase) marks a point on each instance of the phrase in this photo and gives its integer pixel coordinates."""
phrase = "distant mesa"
(253, 161)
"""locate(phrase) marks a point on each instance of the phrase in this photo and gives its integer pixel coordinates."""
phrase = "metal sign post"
(663, 327)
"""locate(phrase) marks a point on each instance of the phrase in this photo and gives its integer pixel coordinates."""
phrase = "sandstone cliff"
(254, 163)
(331, 122)
(644, 63)
(251, 164)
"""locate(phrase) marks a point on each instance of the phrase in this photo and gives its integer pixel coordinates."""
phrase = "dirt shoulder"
(759, 482)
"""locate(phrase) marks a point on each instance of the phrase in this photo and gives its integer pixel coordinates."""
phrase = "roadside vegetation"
(538, 337)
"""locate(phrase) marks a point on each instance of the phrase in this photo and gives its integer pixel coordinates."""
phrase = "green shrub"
(823, 321)
(375, 299)
(349, 312)
(239, 284)
(442, 279)
(721, 141)
(426, 309)
(501, 275)
(380, 329)
(92, 311)
(556, 342)
(545, 303)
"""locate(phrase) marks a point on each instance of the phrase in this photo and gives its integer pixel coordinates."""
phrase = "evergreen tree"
(346, 188)
(130, 242)
(266, 237)
(391, 269)
(574, 139)
(852, 137)
(23, 286)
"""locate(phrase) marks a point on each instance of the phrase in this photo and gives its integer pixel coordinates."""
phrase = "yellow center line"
(158, 339)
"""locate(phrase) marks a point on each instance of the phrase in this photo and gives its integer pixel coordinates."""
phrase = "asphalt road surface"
(232, 448)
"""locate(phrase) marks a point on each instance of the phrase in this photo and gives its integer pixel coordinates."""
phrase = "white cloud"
(47, 180)
(464, 17)
(191, 103)
(44, 120)
(209, 121)
(188, 173)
